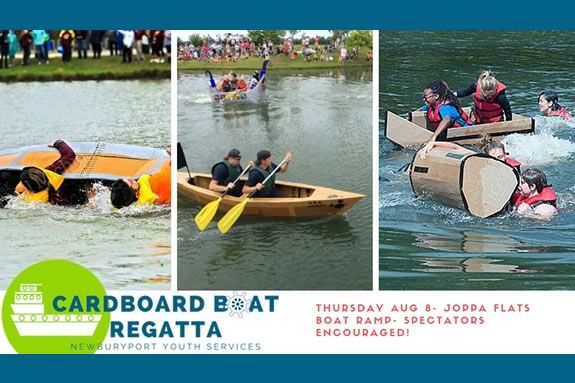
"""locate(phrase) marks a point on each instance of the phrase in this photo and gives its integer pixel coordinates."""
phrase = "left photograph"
(85, 157)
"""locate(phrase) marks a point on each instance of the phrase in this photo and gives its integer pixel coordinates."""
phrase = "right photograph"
(477, 144)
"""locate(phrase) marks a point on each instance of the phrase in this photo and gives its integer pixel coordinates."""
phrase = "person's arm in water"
(436, 144)
(544, 211)
(467, 91)
(67, 156)
(504, 103)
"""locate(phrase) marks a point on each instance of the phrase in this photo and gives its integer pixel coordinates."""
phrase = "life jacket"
(242, 85)
(516, 164)
(268, 188)
(547, 195)
(487, 111)
(161, 183)
(434, 117)
(233, 172)
(155, 188)
(54, 179)
(563, 113)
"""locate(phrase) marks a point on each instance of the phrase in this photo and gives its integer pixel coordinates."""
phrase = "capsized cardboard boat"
(97, 161)
(415, 130)
(462, 178)
(293, 199)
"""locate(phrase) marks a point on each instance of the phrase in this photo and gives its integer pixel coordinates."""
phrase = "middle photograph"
(275, 160)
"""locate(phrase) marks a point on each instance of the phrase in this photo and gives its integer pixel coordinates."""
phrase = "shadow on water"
(426, 245)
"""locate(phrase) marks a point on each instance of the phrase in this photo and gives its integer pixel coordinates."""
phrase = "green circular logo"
(55, 307)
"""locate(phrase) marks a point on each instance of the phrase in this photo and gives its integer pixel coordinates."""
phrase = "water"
(425, 245)
(129, 249)
(325, 120)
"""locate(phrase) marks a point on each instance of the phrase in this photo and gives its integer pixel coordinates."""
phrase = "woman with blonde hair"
(490, 104)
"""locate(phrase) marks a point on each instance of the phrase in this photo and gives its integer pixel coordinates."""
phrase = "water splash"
(539, 149)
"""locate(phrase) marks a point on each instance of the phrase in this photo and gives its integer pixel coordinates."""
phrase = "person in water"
(148, 189)
(262, 169)
(535, 198)
(549, 106)
(443, 110)
(225, 172)
(48, 185)
(497, 150)
(490, 104)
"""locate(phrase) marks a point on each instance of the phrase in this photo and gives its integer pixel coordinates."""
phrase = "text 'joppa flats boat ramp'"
(292, 199)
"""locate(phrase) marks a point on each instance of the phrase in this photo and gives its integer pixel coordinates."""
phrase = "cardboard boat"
(461, 178)
(97, 161)
(294, 199)
(251, 95)
(415, 130)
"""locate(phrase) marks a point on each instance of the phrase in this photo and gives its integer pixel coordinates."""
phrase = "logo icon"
(55, 307)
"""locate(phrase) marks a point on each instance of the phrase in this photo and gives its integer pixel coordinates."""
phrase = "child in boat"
(535, 198)
(443, 110)
(490, 104)
(224, 85)
(148, 189)
(549, 106)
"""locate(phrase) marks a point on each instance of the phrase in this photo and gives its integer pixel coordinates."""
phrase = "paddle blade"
(231, 217)
(206, 215)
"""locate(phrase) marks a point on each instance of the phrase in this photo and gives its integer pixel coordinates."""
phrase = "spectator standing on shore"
(67, 43)
(139, 34)
(112, 42)
(82, 43)
(146, 42)
(39, 36)
(128, 44)
(96, 38)
(157, 46)
(13, 41)
(119, 42)
(168, 44)
(25, 43)
(4, 49)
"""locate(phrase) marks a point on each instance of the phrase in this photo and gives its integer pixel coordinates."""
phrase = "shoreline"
(105, 68)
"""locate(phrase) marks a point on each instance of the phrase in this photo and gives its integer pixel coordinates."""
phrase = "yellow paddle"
(208, 212)
(234, 213)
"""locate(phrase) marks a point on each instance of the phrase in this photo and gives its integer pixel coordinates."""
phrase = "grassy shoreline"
(280, 62)
(105, 68)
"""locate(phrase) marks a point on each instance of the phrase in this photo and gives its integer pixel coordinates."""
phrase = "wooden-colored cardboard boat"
(415, 130)
(293, 199)
(465, 179)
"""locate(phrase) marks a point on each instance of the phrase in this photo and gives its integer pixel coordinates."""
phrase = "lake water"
(425, 245)
(125, 250)
(325, 120)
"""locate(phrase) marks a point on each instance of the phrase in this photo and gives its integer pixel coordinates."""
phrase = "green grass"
(106, 68)
(279, 62)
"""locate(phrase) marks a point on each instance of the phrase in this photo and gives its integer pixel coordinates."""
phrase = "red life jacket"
(563, 113)
(547, 195)
(487, 111)
(434, 117)
(516, 164)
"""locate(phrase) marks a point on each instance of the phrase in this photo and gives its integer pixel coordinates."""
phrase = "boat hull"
(251, 95)
(294, 199)
(415, 130)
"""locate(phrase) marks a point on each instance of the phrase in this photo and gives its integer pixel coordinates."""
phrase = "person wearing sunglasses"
(225, 172)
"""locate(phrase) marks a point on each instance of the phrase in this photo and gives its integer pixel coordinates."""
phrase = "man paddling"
(225, 172)
(263, 168)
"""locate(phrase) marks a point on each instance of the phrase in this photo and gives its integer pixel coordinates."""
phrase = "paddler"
(262, 169)
(148, 189)
(225, 172)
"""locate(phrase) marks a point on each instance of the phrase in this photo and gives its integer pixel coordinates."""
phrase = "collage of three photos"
(273, 159)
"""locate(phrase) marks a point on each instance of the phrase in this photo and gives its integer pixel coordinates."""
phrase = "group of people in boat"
(226, 173)
(490, 104)
(231, 82)
(49, 185)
